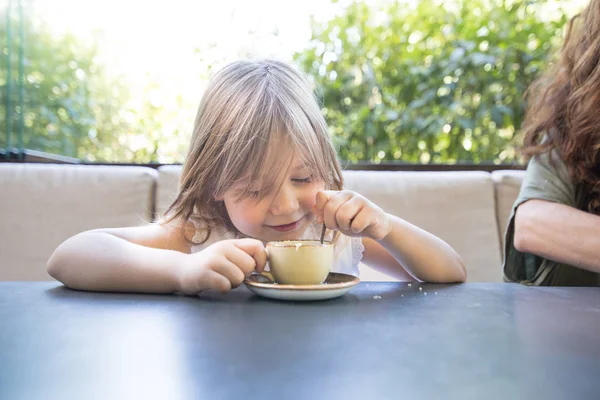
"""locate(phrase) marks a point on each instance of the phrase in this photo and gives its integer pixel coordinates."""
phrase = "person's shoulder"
(549, 158)
(201, 234)
(179, 232)
(549, 166)
(160, 234)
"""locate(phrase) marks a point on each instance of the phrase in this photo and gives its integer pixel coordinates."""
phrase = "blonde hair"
(247, 108)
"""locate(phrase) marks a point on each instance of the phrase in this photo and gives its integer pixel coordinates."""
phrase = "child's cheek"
(246, 215)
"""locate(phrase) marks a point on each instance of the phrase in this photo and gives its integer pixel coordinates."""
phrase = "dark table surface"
(381, 340)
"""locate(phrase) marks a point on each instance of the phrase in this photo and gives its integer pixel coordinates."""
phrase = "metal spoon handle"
(323, 233)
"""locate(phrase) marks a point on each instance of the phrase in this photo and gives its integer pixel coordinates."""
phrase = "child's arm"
(152, 259)
(408, 249)
(392, 245)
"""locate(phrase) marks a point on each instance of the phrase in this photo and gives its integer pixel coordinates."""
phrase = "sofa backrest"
(168, 185)
(42, 205)
(456, 206)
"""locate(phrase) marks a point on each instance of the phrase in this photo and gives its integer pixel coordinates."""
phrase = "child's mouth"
(287, 227)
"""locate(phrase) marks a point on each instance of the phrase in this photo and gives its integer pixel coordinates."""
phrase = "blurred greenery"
(426, 81)
(59, 74)
(73, 107)
(430, 81)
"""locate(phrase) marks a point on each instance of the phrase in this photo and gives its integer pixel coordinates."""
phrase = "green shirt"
(550, 181)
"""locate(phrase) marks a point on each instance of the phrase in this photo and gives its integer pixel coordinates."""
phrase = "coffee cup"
(300, 262)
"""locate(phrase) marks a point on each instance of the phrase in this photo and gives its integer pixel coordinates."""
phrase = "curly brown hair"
(564, 104)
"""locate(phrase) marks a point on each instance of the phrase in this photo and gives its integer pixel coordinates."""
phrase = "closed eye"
(302, 180)
(242, 193)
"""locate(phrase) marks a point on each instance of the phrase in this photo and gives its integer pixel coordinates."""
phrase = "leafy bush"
(430, 81)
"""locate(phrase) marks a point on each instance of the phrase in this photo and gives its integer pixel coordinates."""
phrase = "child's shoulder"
(179, 231)
(160, 234)
(202, 235)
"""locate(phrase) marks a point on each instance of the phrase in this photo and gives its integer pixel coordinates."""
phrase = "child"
(261, 167)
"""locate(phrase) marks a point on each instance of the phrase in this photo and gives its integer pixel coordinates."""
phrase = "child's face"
(283, 213)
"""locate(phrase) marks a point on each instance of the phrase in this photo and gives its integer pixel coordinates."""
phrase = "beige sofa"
(44, 204)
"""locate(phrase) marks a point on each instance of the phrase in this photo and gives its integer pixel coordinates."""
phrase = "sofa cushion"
(44, 204)
(507, 184)
(456, 206)
(168, 185)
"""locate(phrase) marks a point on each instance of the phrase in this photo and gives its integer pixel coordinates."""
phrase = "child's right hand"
(221, 266)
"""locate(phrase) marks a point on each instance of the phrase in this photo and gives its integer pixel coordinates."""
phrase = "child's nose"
(285, 202)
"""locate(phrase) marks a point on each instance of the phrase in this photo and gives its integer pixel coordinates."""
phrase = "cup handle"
(267, 274)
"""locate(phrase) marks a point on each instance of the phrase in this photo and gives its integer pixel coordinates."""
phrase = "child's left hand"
(352, 214)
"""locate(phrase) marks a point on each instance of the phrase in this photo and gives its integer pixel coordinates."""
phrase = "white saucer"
(335, 285)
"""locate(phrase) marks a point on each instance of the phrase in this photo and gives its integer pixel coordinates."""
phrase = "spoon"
(323, 233)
